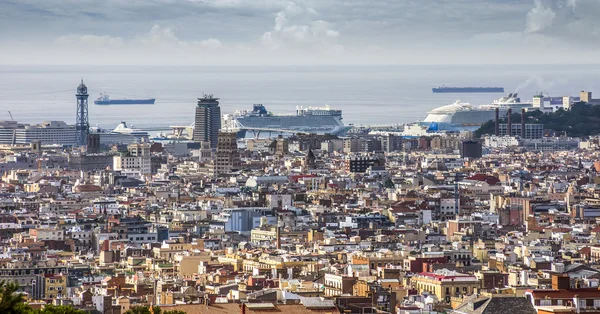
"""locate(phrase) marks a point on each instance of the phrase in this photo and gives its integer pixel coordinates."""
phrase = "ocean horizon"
(377, 94)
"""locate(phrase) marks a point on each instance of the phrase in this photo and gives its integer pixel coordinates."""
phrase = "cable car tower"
(82, 124)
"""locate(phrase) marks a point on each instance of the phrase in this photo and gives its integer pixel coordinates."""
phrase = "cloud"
(158, 36)
(298, 26)
(573, 21)
(211, 43)
(299, 31)
(91, 40)
(540, 17)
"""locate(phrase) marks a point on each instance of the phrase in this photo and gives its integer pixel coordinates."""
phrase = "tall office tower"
(208, 120)
(227, 157)
(82, 124)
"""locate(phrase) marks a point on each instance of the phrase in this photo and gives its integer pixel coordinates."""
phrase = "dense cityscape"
(254, 212)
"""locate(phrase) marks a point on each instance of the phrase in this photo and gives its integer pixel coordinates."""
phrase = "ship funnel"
(510, 95)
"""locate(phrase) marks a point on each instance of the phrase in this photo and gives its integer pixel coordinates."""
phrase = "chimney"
(523, 123)
(496, 130)
(278, 236)
(509, 123)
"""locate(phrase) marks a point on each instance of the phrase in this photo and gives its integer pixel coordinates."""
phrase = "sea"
(367, 95)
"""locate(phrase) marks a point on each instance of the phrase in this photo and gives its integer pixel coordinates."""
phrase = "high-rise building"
(48, 132)
(82, 124)
(391, 143)
(208, 120)
(227, 157)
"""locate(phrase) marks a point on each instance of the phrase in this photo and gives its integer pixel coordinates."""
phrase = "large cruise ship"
(306, 119)
(462, 116)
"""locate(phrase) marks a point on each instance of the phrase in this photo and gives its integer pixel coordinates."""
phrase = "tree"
(138, 310)
(11, 301)
(146, 310)
(389, 184)
(61, 309)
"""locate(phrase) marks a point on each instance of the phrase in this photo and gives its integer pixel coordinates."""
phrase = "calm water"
(367, 95)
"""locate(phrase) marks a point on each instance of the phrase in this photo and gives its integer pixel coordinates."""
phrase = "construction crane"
(11, 117)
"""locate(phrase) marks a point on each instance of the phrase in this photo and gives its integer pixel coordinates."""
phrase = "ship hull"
(125, 102)
(468, 90)
(308, 124)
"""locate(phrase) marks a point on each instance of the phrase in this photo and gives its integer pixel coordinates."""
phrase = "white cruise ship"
(122, 134)
(312, 120)
(462, 116)
(48, 132)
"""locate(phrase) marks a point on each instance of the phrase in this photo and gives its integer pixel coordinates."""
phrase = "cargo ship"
(446, 89)
(105, 100)
(307, 120)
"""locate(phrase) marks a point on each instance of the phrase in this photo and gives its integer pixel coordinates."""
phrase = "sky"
(298, 32)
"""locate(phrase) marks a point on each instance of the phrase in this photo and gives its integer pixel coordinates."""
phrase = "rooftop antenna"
(11, 116)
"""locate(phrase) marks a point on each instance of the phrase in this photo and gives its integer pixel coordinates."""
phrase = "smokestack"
(509, 123)
(497, 130)
(523, 123)
(278, 240)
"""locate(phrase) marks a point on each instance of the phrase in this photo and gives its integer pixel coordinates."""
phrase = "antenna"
(11, 116)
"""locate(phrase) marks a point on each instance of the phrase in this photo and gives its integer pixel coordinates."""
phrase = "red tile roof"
(491, 180)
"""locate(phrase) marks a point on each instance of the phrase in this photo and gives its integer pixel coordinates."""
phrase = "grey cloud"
(570, 20)
(300, 31)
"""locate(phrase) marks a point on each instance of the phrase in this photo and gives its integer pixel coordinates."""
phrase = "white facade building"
(501, 141)
(137, 159)
(48, 132)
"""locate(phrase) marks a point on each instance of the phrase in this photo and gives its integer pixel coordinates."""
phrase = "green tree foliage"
(581, 120)
(389, 184)
(155, 309)
(139, 310)
(11, 301)
(61, 309)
